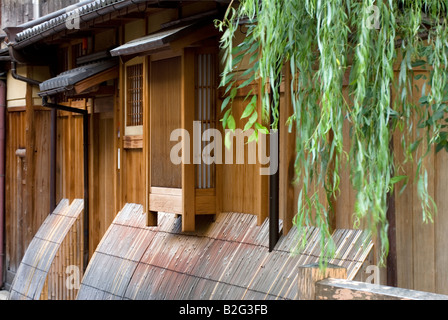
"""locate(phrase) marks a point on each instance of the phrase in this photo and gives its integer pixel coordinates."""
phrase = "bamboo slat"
(223, 259)
(42, 274)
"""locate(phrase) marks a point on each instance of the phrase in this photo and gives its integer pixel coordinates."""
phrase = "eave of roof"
(66, 80)
(86, 13)
(153, 41)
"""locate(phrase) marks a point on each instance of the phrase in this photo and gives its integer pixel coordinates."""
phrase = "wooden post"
(187, 118)
(309, 274)
(21, 154)
(262, 181)
(151, 216)
(29, 215)
(392, 277)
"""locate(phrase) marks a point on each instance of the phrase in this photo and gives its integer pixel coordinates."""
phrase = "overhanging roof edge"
(65, 81)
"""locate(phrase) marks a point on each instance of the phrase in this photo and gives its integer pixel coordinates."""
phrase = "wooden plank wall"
(69, 158)
(421, 247)
(14, 239)
(133, 176)
(21, 224)
(240, 190)
(102, 197)
(243, 188)
(103, 185)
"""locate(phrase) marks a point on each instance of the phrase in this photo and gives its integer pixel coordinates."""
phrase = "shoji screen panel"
(205, 113)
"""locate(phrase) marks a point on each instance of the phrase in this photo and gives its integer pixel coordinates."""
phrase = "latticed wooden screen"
(134, 96)
(206, 83)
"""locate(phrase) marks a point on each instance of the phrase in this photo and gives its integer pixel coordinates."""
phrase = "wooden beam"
(151, 215)
(166, 203)
(205, 202)
(287, 158)
(117, 146)
(262, 206)
(187, 118)
(133, 142)
(202, 33)
(96, 79)
(166, 191)
(391, 262)
(342, 289)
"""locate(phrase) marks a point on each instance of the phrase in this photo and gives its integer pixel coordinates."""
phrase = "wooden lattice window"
(206, 84)
(134, 99)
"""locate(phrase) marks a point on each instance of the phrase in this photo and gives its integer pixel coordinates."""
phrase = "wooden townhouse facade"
(90, 112)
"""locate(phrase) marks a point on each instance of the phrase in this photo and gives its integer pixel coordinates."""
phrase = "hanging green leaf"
(321, 41)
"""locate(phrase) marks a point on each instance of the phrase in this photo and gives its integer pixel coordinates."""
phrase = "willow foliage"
(319, 41)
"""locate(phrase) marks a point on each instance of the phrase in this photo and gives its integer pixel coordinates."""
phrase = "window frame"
(134, 130)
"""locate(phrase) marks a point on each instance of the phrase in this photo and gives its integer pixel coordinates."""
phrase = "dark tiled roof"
(98, 6)
(67, 79)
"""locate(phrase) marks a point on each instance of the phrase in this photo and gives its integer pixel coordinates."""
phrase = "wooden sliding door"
(165, 116)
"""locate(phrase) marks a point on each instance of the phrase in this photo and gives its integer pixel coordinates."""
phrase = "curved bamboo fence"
(223, 259)
(54, 254)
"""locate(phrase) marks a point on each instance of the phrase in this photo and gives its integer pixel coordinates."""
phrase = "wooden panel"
(15, 139)
(345, 202)
(42, 168)
(165, 203)
(418, 243)
(69, 172)
(102, 172)
(165, 102)
(96, 79)
(423, 236)
(21, 223)
(240, 186)
(133, 176)
(168, 191)
(205, 201)
(133, 142)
